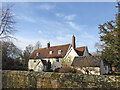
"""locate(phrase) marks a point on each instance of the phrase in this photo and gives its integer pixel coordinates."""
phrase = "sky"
(56, 22)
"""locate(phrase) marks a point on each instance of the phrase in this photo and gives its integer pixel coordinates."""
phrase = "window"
(34, 60)
(105, 67)
(59, 51)
(50, 52)
(37, 54)
(57, 59)
(48, 60)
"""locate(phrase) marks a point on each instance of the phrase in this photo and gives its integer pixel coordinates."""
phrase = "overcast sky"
(57, 22)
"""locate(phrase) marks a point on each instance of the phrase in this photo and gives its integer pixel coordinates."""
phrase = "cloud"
(59, 15)
(59, 33)
(87, 39)
(53, 27)
(66, 17)
(87, 35)
(46, 6)
(70, 17)
(40, 31)
(74, 26)
(82, 39)
(26, 18)
(22, 42)
(64, 38)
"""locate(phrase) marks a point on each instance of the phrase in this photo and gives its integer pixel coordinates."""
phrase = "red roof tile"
(44, 52)
(80, 50)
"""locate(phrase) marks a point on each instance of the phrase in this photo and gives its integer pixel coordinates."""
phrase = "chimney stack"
(73, 41)
(48, 44)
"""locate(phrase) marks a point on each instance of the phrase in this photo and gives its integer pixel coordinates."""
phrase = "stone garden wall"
(27, 79)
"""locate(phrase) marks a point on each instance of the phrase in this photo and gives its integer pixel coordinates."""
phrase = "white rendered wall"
(71, 54)
(34, 65)
(103, 69)
(54, 63)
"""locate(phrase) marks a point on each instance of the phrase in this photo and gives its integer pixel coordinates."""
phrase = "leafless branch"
(6, 22)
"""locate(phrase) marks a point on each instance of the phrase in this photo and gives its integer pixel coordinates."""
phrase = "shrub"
(67, 70)
(9, 63)
(57, 69)
(79, 71)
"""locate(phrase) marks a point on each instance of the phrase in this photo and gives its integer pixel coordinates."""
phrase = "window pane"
(59, 51)
(50, 52)
(57, 59)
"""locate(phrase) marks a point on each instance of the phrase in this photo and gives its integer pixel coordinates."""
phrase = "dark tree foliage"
(10, 57)
(11, 64)
(110, 35)
(25, 55)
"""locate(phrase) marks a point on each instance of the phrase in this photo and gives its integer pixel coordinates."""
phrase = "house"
(55, 54)
(90, 65)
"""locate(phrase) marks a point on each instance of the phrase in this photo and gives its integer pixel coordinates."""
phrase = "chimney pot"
(48, 44)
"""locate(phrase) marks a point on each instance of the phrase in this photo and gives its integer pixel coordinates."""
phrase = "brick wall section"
(26, 79)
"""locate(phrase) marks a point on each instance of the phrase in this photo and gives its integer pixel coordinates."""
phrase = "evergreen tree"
(110, 35)
(117, 39)
(10, 57)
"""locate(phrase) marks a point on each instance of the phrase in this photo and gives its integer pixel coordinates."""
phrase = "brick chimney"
(73, 41)
(48, 44)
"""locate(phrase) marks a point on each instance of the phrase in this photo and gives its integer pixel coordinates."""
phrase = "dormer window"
(50, 52)
(59, 51)
(37, 54)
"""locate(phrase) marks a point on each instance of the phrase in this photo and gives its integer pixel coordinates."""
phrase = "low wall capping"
(29, 79)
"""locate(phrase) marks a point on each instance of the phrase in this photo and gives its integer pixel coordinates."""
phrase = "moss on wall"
(26, 79)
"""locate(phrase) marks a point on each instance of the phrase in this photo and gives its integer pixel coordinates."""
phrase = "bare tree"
(6, 22)
(38, 45)
(29, 49)
(99, 47)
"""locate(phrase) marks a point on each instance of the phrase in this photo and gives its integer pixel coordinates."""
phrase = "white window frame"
(37, 54)
(59, 51)
(50, 52)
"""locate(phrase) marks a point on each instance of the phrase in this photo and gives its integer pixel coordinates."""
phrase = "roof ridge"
(81, 47)
(61, 45)
(53, 46)
(86, 56)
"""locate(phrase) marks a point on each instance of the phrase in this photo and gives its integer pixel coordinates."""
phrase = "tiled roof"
(87, 61)
(80, 50)
(44, 52)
